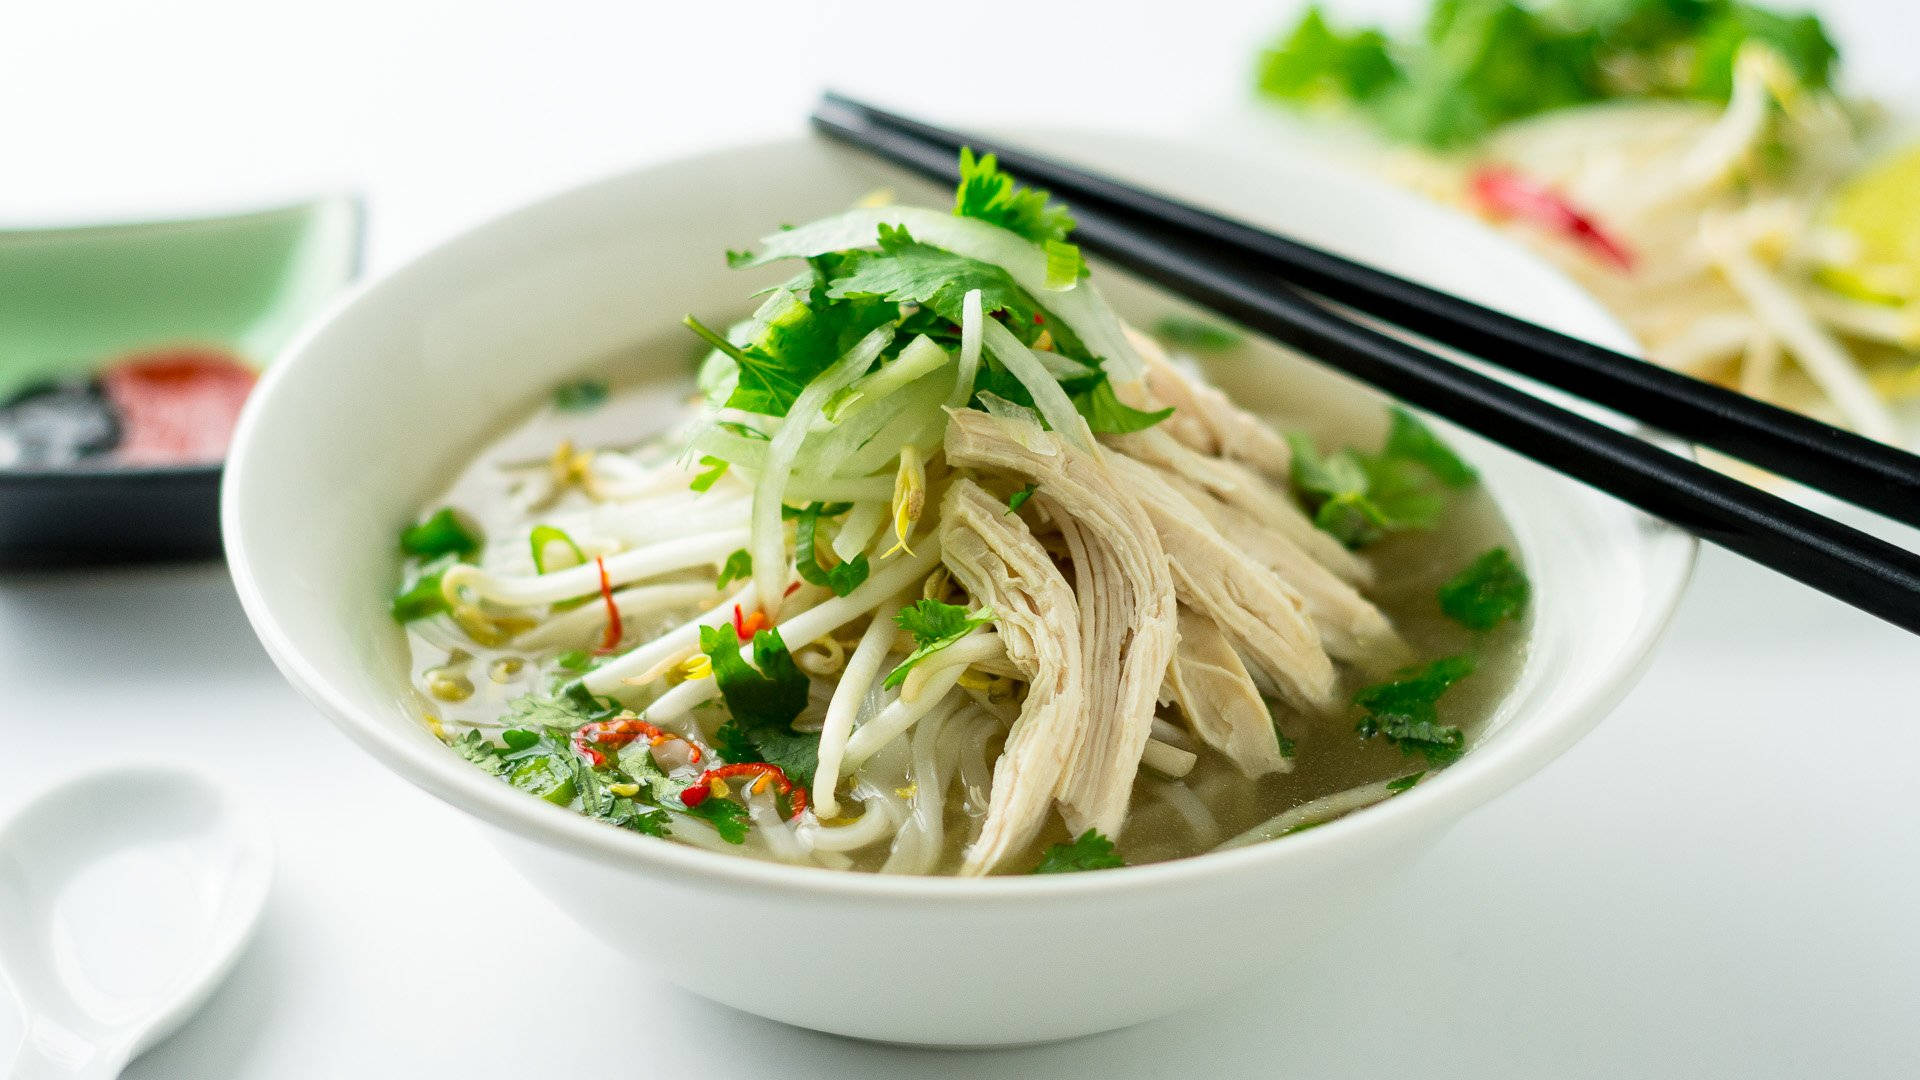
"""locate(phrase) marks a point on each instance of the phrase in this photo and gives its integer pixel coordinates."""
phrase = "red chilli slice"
(700, 790)
(611, 640)
(1506, 193)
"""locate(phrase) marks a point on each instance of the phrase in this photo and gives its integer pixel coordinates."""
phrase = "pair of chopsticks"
(1281, 288)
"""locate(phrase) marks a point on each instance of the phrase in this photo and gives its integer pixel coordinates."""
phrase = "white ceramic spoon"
(125, 897)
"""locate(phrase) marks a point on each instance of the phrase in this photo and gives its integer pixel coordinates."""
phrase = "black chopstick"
(1843, 562)
(1862, 471)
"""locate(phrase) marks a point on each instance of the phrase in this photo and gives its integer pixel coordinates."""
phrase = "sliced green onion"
(541, 536)
(445, 533)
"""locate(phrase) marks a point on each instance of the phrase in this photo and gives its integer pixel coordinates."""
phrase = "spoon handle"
(52, 1052)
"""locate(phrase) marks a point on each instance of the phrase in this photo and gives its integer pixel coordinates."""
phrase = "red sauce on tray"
(176, 406)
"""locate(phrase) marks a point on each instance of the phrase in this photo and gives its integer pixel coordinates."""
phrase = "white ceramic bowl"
(370, 414)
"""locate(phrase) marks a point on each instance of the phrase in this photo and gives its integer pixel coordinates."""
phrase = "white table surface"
(1722, 881)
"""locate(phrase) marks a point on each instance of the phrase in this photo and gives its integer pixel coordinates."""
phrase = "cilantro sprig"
(763, 698)
(543, 762)
(1088, 851)
(1359, 497)
(1491, 590)
(987, 193)
(934, 626)
(1405, 710)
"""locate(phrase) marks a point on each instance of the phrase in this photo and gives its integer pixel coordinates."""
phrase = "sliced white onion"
(769, 543)
(971, 318)
(1052, 402)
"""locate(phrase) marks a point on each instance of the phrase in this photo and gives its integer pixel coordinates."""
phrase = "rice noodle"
(705, 549)
(588, 619)
(880, 816)
(1167, 760)
(863, 668)
(916, 846)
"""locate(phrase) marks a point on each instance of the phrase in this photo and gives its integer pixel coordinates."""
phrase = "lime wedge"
(1880, 208)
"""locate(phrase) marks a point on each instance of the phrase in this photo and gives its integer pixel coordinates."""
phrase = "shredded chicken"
(1351, 627)
(993, 555)
(1222, 705)
(1123, 590)
(1203, 417)
(1264, 617)
(1241, 487)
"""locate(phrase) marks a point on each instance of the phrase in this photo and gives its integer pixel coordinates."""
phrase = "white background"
(1722, 881)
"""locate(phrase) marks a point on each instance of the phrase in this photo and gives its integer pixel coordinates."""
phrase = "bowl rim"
(1479, 777)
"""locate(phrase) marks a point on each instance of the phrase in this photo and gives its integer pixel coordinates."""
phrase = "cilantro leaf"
(934, 626)
(598, 800)
(738, 567)
(579, 395)
(1799, 40)
(906, 271)
(761, 704)
(572, 707)
(1405, 710)
(1019, 498)
(1491, 590)
(713, 469)
(1360, 497)
(1409, 439)
(798, 339)
(844, 577)
(540, 762)
(476, 748)
(445, 533)
(1088, 851)
(1106, 414)
(1402, 493)
(986, 193)
(728, 818)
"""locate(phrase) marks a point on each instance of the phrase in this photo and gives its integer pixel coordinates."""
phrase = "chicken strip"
(993, 555)
(1222, 705)
(1241, 487)
(1262, 615)
(1206, 420)
(1124, 592)
(1351, 627)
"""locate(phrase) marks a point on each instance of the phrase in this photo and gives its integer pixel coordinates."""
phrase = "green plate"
(74, 299)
